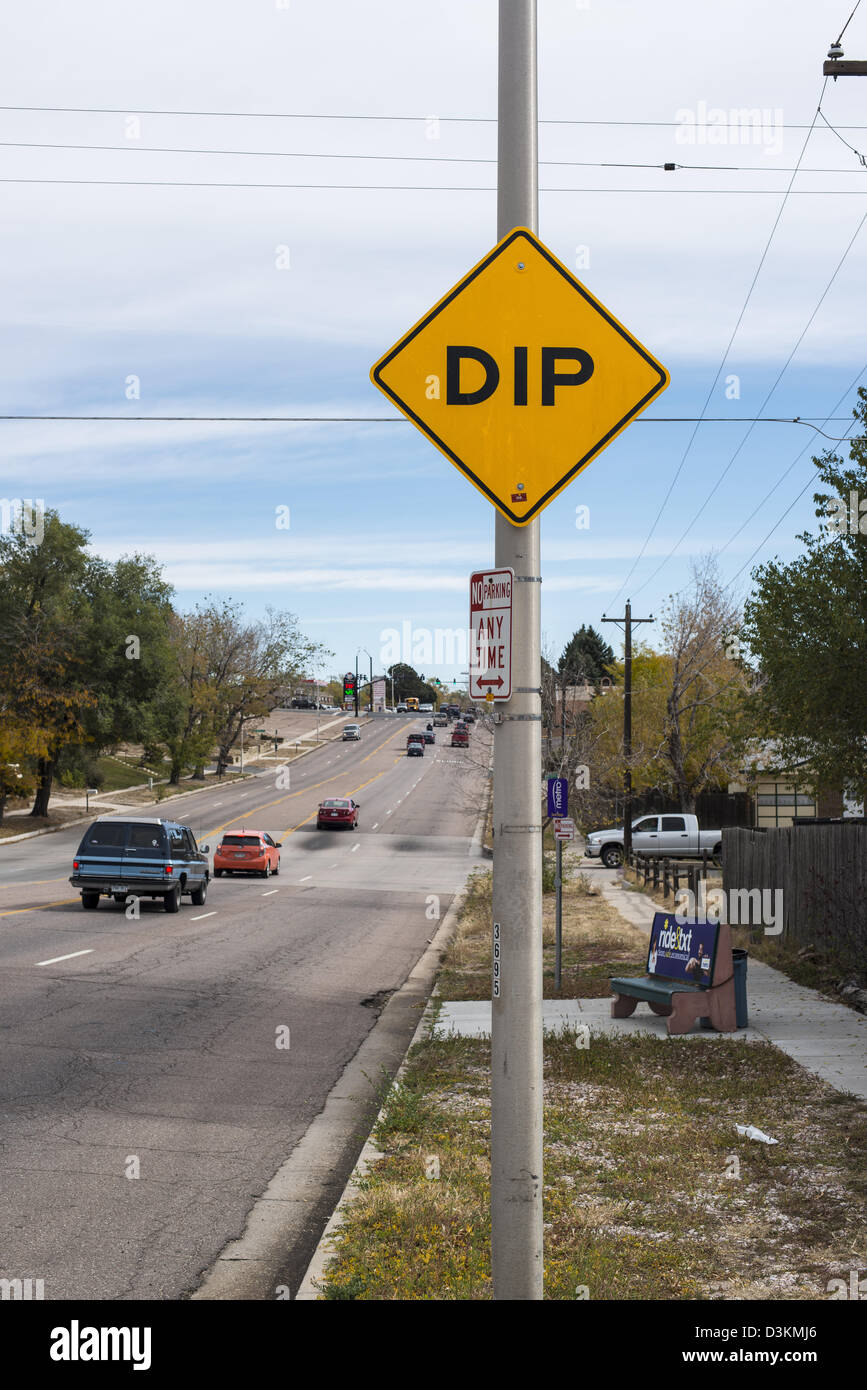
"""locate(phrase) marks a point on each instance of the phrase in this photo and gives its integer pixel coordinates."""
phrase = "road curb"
(251, 1268)
(307, 1290)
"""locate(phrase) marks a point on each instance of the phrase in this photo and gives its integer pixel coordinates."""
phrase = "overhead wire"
(719, 480)
(724, 357)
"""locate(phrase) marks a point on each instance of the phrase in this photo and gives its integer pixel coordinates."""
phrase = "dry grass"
(649, 1191)
(596, 943)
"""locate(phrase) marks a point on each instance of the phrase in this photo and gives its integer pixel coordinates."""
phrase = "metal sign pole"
(558, 916)
(516, 1006)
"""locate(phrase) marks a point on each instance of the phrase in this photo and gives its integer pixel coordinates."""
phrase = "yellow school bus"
(411, 702)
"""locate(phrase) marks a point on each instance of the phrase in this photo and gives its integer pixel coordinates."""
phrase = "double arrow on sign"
(497, 682)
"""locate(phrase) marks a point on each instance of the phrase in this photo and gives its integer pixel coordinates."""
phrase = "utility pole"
(356, 682)
(628, 622)
(516, 1005)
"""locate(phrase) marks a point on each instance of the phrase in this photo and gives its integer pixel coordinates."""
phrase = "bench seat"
(654, 987)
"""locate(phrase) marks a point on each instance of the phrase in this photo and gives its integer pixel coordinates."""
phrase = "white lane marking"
(333, 866)
(376, 827)
(71, 956)
(388, 813)
(242, 795)
(203, 915)
(216, 804)
(354, 848)
(271, 892)
(305, 878)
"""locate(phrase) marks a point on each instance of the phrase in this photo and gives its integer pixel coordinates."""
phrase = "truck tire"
(612, 856)
(172, 900)
(199, 895)
(90, 901)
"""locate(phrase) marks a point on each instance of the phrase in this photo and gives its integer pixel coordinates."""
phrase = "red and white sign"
(491, 634)
(564, 827)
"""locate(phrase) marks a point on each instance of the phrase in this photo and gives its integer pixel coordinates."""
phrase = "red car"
(336, 812)
(247, 852)
(460, 738)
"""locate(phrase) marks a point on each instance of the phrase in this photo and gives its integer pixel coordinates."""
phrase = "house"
(780, 793)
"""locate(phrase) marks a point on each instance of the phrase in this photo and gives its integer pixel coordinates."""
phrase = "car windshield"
(241, 840)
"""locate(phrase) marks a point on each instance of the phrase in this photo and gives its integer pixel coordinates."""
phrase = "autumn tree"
(706, 688)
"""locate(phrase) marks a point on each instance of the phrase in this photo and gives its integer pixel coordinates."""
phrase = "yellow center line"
(290, 795)
(37, 907)
(359, 788)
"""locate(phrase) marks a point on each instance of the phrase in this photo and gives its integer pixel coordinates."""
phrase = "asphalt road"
(150, 1046)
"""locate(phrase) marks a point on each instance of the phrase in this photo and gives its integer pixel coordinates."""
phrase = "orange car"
(247, 852)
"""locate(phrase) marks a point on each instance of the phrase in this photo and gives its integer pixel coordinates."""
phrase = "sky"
(124, 295)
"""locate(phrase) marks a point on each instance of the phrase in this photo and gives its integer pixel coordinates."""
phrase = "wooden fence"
(820, 872)
(666, 876)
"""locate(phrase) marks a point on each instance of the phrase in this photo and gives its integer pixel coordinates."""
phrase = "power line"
(368, 116)
(669, 166)
(780, 480)
(719, 369)
(845, 142)
(400, 420)
(768, 396)
(849, 20)
(428, 188)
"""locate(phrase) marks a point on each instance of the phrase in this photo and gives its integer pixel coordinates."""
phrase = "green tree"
(586, 656)
(407, 681)
(43, 676)
(805, 624)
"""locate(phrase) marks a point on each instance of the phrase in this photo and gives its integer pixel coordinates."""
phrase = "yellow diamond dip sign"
(520, 376)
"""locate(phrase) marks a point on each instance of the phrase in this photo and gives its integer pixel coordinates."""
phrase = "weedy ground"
(649, 1191)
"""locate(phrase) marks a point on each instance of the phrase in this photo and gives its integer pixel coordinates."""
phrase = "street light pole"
(516, 1005)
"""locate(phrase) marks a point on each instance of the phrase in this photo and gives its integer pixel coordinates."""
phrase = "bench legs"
(687, 1008)
(622, 1005)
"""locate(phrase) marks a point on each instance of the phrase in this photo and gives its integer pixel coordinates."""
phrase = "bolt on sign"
(520, 376)
(491, 634)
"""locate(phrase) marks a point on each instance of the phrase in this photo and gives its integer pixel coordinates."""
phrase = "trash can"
(739, 970)
(739, 966)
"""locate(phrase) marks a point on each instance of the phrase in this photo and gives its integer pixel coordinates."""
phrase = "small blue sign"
(684, 950)
(558, 796)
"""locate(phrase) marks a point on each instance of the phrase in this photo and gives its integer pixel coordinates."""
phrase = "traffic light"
(348, 687)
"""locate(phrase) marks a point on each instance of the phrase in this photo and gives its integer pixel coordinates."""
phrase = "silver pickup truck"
(673, 836)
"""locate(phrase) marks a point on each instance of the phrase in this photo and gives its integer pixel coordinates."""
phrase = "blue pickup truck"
(147, 858)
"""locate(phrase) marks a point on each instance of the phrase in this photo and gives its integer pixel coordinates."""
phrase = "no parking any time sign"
(491, 634)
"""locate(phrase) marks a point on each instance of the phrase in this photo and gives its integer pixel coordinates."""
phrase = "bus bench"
(690, 975)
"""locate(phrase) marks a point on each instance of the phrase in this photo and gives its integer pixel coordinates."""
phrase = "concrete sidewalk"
(827, 1039)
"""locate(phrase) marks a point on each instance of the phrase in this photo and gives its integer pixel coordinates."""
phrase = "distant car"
(401, 709)
(247, 852)
(425, 709)
(351, 733)
(415, 746)
(143, 858)
(441, 721)
(469, 717)
(338, 812)
(430, 736)
(460, 738)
